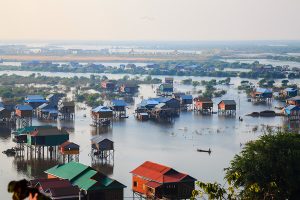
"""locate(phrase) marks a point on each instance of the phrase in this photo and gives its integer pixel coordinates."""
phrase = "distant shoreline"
(104, 58)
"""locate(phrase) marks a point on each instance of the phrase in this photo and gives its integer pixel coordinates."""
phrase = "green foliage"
(268, 168)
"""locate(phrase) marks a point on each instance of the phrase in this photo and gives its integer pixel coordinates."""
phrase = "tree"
(284, 82)
(268, 168)
(195, 83)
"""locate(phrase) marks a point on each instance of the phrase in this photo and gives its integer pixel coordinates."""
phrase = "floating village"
(67, 178)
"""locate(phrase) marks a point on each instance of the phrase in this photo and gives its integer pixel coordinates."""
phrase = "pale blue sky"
(150, 19)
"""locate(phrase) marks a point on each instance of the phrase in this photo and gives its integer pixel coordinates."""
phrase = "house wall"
(140, 188)
(24, 113)
(5, 114)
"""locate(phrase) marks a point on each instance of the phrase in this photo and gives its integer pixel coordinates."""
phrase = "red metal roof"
(153, 184)
(159, 173)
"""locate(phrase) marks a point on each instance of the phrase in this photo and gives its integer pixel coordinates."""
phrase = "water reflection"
(33, 167)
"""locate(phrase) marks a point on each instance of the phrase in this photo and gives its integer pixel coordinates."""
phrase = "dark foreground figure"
(22, 190)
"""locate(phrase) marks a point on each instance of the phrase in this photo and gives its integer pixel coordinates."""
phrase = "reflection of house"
(293, 101)
(93, 184)
(35, 100)
(155, 181)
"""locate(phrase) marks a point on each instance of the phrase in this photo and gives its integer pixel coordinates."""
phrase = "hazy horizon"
(155, 20)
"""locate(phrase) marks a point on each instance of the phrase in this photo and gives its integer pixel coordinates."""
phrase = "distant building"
(155, 181)
(203, 105)
(92, 184)
(108, 85)
(227, 107)
(289, 92)
(262, 93)
(129, 88)
(169, 80)
(165, 89)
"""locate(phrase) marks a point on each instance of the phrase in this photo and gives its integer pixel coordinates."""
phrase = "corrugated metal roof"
(117, 102)
(69, 145)
(101, 109)
(290, 89)
(159, 173)
(24, 107)
(36, 101)
(186, 97)
(296, 98)
(263, 90)
(84, 176)
(31, 97)
(228, 102)
(67, 171)
(153, 184)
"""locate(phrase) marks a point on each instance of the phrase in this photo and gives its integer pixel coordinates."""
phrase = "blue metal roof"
(117, 102)
(101, 109)
(263, 90)
(186, 97)
(290, 89)
(31, 97)
(35, 101)
(24, 107)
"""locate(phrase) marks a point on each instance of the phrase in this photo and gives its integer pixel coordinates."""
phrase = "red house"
(108, 85)
(153, 180)
(203, 105)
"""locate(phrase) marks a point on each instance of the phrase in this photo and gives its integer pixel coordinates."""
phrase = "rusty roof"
(160, 173)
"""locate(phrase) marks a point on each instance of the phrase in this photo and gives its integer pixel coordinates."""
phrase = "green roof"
(84, 176)
(67, 171)
(29, 129)
(84, 181)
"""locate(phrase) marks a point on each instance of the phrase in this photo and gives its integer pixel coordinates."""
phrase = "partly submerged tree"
(268, 168)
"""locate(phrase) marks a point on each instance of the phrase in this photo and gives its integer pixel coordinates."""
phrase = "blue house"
(291, 110)
(262, 93)
(290, 92)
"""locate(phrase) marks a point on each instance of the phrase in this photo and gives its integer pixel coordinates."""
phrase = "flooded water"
(172, 144)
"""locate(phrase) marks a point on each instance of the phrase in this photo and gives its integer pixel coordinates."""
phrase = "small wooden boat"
(9, 152)
(206, 151)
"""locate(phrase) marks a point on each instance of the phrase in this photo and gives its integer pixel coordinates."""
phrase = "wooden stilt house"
(227, 107)
(102, 116)
(203, 105)
(155, 181)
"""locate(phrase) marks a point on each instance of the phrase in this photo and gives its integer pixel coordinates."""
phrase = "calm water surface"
(169, 144)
